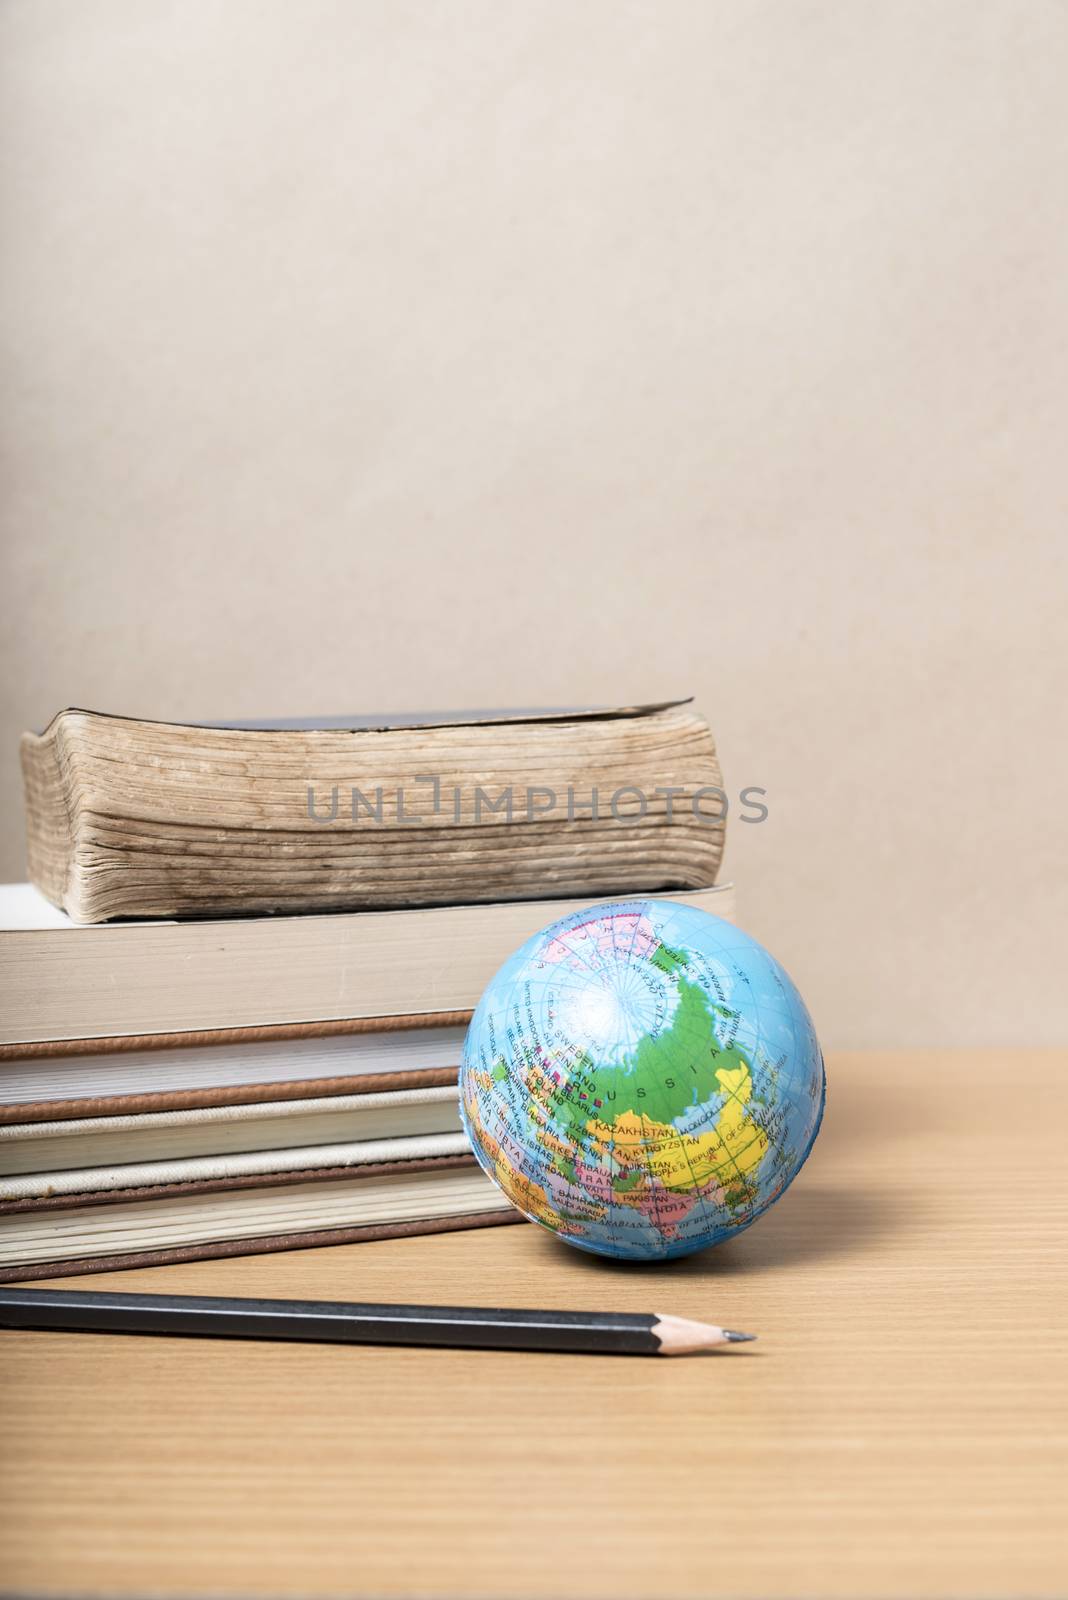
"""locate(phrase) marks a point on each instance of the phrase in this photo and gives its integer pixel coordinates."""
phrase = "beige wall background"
(380, 355)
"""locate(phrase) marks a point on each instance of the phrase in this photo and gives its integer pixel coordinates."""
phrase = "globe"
(643, 1079)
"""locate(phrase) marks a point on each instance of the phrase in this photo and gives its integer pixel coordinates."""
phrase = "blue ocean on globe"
(643, 1079)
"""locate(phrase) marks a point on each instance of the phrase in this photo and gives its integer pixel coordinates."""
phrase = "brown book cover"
(189, 1038)
(128, 1105)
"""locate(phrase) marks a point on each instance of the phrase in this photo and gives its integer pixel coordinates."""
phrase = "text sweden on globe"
(643, 1079)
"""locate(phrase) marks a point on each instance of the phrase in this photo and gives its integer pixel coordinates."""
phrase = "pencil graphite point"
(679, 1336)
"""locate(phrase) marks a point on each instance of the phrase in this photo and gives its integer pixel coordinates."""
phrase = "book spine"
(50, 827)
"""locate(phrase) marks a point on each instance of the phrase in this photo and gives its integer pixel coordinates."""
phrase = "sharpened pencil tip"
(679, 1336)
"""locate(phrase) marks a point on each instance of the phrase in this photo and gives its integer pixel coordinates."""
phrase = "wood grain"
(900, 1429)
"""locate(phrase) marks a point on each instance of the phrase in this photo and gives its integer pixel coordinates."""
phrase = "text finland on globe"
(643, 1079)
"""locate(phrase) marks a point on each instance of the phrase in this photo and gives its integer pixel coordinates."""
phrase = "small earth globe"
(643, 1079)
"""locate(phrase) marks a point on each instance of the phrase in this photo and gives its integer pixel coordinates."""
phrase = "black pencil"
(502, 1328)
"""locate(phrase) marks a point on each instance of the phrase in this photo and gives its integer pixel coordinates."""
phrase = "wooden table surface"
(900, 1428)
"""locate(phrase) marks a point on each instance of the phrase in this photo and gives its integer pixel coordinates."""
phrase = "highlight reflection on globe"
(642, 1078)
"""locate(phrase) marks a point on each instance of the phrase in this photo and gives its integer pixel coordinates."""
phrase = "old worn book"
(66, 988)
(130, 818)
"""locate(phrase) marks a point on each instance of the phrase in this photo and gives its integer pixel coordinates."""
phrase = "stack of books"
(262, 1053)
